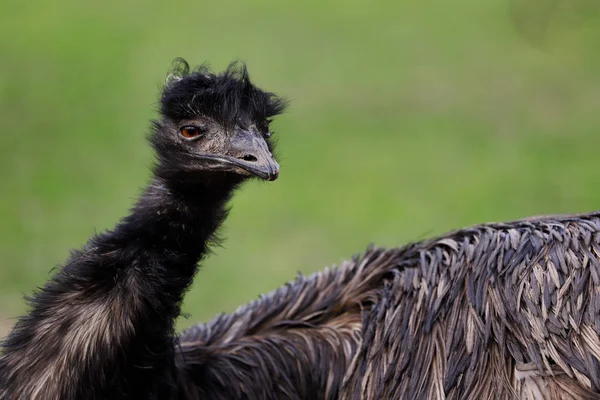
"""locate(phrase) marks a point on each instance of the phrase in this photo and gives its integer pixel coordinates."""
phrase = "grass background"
(408, 119)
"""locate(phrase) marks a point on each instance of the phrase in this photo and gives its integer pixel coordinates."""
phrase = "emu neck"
(167, 234)
(103, 326)
(174, 221)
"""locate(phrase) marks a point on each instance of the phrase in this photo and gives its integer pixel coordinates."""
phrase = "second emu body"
(498, 311)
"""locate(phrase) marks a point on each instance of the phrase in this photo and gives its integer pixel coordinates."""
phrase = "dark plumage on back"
(497, 311)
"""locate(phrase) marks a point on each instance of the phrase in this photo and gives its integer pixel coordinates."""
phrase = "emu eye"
(190, 132)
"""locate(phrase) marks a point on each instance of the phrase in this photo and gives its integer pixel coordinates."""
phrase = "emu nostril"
(249, 157)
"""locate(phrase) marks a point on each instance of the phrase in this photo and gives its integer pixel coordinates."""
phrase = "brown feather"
(496, 311)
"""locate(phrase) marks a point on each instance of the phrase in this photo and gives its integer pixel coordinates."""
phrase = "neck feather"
(103, 326)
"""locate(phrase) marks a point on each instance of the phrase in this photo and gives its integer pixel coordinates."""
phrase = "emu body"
(496, 311)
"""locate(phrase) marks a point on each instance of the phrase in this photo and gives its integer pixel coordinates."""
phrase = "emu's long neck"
(102, 327)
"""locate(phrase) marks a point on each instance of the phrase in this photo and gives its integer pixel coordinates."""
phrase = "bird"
(505, 310)
(102, 327)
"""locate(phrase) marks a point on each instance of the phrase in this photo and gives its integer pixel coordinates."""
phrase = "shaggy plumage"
(498, 311)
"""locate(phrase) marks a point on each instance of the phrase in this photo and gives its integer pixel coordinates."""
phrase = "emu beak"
(250, 151)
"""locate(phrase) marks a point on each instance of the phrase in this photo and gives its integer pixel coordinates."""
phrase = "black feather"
(229, 97)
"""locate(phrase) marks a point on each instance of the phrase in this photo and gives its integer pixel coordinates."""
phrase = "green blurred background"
(408, 119)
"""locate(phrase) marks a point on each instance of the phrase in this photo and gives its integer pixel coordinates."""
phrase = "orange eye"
(190, 132)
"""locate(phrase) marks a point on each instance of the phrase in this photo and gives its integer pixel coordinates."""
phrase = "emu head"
(215, 124)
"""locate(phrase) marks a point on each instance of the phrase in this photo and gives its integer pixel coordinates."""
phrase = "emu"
(103, 326)
(503, 311)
